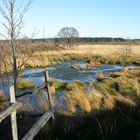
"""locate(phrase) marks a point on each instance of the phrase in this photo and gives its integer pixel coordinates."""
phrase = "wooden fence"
(16, 104)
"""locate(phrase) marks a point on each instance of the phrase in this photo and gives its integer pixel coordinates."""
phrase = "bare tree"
(13, 13)
(126, 53)
(68, 36)
(44, 30)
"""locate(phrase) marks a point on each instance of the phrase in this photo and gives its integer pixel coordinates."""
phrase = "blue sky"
(94, 18)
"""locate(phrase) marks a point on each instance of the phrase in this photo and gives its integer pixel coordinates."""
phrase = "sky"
(92, 18)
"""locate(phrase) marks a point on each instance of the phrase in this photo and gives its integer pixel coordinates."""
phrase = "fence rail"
(16, 104)
(38, 125)
(9, 110)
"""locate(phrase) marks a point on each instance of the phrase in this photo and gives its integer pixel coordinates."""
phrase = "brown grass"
(3, 105)
(106, 93)
(110, 52)
(44, 58)
(77, 99)
(104, 115)
(103, 50)
(25, 84)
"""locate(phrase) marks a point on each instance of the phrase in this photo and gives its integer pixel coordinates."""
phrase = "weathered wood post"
(13, 114)
(48, 88)
(48, 91)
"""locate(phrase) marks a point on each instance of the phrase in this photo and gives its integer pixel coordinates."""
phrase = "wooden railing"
(16, 104)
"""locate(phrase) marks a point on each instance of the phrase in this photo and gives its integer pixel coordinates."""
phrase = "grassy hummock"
(23, 84)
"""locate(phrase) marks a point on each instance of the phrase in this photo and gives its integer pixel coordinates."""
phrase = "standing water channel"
(65, 73)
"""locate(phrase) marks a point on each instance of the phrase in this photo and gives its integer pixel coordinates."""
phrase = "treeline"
(82, 40)
(100, 39)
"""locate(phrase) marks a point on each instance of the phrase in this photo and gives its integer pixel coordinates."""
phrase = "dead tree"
(126, 53)
(13, 14)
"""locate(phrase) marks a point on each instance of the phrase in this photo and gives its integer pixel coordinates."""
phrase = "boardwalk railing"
(16, 104)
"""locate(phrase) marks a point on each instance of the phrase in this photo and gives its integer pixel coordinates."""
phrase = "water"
(65, 73)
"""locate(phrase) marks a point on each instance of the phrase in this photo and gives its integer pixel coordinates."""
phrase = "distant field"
(104, 50)
(43, 56)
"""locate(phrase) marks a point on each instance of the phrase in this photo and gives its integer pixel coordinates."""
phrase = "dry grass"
(25, 84)
(52, 90)
(77, 99)
(101, 50)
(105, 50)
(3, 105)
(110, 52)
(107, 94)
(108, 113)
(44, 58)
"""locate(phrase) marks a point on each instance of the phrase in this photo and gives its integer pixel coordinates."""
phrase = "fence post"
(48, 88)
(49, 93)
(13, 114)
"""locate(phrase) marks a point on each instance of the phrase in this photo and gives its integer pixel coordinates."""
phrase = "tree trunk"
(15, 71)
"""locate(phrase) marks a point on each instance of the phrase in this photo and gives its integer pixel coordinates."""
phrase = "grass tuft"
(76, 85)
(25, 84)
(59, 85)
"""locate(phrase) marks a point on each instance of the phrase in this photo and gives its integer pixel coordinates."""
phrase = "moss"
(25, 84)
